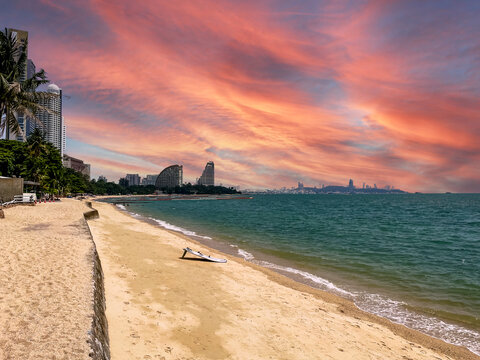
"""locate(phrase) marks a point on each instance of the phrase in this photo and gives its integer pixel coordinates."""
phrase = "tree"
(16, 96)
(12, 158)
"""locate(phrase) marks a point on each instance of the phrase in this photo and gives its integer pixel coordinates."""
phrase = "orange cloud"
(320, 92)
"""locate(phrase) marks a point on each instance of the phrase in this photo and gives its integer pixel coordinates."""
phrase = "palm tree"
(18, 97)
(36, 144)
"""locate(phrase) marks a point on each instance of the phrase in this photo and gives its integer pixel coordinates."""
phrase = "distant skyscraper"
(52, 123)
(170, 177)
(133, 179)
(208, 175)
(350, 184)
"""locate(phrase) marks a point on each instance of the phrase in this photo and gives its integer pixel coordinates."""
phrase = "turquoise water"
(414, 258)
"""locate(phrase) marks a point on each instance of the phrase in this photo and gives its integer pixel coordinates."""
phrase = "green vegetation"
(39, 161)
(200, 189)
(16, 96)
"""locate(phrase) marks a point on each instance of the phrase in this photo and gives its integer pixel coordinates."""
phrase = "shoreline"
(346, 307)
(407, 314)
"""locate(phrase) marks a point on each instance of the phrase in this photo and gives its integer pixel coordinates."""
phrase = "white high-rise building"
(53, 126)
(64, 137)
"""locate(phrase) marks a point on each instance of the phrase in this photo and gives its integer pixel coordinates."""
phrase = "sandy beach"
(160, 306)
(45, 282)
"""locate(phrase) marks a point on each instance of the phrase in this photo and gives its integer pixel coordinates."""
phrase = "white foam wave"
(395, 311)
(318, 281)
(169, 226)
(245, 254)
(398, 313)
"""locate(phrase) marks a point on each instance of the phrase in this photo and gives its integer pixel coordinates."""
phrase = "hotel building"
(208, 175)
(52, 123)
(170, 177)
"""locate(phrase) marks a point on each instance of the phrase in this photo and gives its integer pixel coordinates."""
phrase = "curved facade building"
(208, 175)
(170, 177)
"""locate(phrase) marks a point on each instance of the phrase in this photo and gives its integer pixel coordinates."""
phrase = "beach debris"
(203, 256)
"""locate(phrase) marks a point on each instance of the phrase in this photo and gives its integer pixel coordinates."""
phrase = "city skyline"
(273, 93)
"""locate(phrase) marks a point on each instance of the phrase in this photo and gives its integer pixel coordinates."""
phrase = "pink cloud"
(244, 80)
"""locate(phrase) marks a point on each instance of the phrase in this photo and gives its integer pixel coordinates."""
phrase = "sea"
(411, 258)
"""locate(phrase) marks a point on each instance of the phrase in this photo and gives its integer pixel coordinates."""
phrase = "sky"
(274, 92)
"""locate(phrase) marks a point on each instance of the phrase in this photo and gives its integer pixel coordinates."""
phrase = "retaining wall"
(98, 340)
(9, 187)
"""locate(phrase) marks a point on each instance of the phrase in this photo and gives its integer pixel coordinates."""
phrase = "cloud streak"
(273, 92)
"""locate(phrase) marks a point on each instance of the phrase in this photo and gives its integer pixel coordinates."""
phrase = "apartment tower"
(208, 175)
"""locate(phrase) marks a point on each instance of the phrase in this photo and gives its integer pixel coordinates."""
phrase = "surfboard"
(203, 256)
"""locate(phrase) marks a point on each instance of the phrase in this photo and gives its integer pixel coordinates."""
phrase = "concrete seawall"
(9, 187)
(98, 334)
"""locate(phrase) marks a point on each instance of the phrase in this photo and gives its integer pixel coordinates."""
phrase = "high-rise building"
(208, 175)
(64, 135)
(350, 184)
(27, 72)
(149, 180)
(31, 69)
(133, 179)
(52, 122)
(170, 177)
(21, 37)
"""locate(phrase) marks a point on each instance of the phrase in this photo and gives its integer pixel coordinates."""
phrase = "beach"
(45, 282)
(160, 306)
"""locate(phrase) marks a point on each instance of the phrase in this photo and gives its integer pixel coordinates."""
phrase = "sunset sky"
(273, 92)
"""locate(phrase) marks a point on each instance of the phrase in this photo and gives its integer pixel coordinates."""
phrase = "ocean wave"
(169, 226)
(396, 312)
(393, 310)
(320, 282)
(245, 254)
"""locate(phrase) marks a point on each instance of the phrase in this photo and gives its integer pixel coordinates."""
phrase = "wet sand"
(45, 282)
(160, 306)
